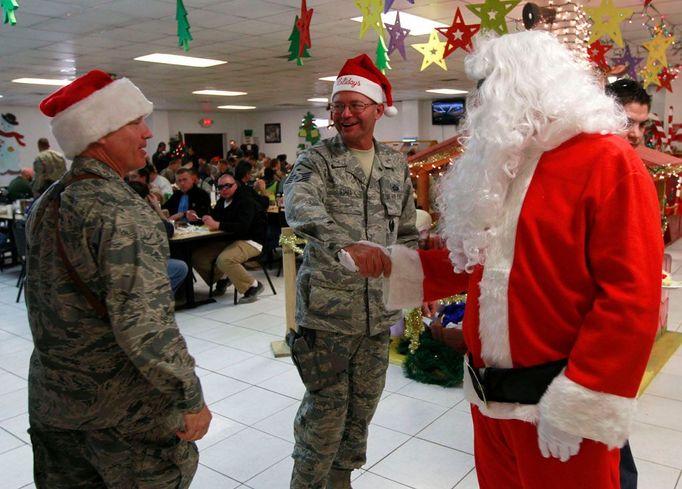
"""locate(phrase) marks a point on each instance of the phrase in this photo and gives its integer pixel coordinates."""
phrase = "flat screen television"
(447, 111)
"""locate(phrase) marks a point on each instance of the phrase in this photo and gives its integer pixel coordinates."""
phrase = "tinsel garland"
(290, 243)
(433, 363)
(414, 326)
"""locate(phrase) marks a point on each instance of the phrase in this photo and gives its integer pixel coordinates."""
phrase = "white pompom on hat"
(90, 107)
(360, 75)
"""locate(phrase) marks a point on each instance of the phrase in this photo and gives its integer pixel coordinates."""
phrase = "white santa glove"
(556, 443)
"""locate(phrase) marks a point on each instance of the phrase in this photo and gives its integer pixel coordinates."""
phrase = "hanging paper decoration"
(303, 24)
(382, 61)
(371, 16)
(499, 9)
(8, 7)
(389, 3)
(184, 36)
(606, 20)
(432, 51)
(665, 77)
(650, 74)
(597, 51)
(657, 47)
(295, 46)
(629, 60)
(11, 141)
(459, 34)
(308, 130)
(397, 35)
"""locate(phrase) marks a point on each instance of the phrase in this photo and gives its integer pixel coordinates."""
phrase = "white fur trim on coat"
(99, 114)
(405, 287)
(599, 416)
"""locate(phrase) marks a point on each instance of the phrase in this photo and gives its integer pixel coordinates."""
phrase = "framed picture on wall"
(273, 133)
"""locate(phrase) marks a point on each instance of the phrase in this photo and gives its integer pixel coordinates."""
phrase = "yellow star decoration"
(657, 46)
(650, 74)
(371, 16)
(606, 21)
(433, 51)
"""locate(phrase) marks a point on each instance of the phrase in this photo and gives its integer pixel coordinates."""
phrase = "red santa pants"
(507, 457)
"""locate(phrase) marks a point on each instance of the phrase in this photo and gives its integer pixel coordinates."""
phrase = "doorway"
(205, 145)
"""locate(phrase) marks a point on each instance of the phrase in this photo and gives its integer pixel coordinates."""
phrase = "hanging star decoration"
(397, 35)
(303, 24)
(432, 51)
(629, 60)
(596, 52)
(606, 20)
(295, 46)
(492, 14)
(371, 16)
(657, 46)
(383, 61)
(184, 36)
(9, 6)
(389, 3)
(459, 34)
(665, 77)
(650, 74)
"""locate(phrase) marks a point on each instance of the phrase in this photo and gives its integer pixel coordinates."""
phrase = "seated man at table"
(189, 203)
(243, 220)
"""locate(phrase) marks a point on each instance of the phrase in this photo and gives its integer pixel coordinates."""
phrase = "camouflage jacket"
(48, 165)
(329, 202)
(86, 372)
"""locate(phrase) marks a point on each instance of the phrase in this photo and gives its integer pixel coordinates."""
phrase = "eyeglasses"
(354, 107)
(225, 185)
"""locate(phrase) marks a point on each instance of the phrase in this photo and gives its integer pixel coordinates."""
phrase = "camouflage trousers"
(331, 425)
(109, 459)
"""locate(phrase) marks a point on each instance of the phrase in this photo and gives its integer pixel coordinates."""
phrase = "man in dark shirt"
(189, 202)
(241, 217)
(20, 187)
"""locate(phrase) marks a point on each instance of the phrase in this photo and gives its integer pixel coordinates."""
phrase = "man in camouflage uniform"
(341, 192)
(113, 397)
(48, 167)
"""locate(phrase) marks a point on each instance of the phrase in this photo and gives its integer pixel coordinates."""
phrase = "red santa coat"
(581, 280)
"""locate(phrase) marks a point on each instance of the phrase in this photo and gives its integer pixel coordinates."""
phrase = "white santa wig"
(533, 95)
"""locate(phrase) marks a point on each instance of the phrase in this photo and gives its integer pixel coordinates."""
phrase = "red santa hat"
(90, 107)
(360, 75)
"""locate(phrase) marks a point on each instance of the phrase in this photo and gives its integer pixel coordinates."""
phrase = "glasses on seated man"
(225, 185)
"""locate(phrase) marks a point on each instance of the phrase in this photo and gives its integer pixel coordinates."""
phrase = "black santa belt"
(523, 385)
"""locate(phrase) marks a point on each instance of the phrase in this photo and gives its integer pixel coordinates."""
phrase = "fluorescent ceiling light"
(0, 96)
(321, 122)
(41, 81)
(319, 99)
(236, 107)
(328, 78)
(174, 59)
(220, 93)
(418, 25)
(447, 91)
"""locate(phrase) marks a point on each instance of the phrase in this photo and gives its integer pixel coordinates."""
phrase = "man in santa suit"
(553, 229)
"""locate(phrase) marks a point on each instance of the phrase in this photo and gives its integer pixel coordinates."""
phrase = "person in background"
(160, 157)
(341, 193)
(159, 184)
(234, 150)
(552, 226)
(48, 165)
(636, 103)
(188, 203)
(20, 186)
(173, 166)
(114, 399)
(243, 174)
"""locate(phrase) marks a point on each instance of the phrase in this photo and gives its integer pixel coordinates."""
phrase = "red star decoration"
(303, 24)
(596, 51)
(665, 77)
(458, 35)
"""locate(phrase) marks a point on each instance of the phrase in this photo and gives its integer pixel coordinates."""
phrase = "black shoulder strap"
(94, 302)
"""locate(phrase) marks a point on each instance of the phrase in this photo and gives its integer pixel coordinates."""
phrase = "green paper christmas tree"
(308, 129)
(9, 6)
(383, 60)
(184, 36)
(295, 46)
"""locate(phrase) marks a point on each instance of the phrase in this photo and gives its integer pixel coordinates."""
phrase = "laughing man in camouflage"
(341, 192)
(113, 397)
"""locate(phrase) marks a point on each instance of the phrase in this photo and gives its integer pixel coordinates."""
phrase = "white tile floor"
(421, 436)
